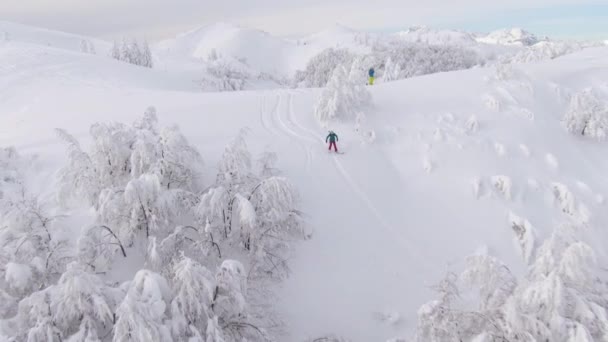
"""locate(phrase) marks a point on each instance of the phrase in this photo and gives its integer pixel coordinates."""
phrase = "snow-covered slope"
(513, 36)
(257, 49)
(423, 34)
(457, 156)
(27, 34)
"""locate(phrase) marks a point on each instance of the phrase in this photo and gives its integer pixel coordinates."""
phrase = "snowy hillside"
(513, 36)
(465, 205)
(423, 34)
(256, 49)
(39, 36)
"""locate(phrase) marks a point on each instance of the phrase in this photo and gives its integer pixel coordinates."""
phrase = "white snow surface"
(512, 36)
(257, 49)
(386, 226)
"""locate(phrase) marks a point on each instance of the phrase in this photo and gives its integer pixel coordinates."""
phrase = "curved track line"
(312, 137)
(264, 113)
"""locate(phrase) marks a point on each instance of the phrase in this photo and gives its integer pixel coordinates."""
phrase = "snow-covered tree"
(86, 46)
(116, 51)
(142, 315)
(97, 247)
(78, 178)
(392, 70)
(30, 248)
(120, 153)
(146, 55)
(226, 74)
(191, 307)
(144, 187)
(562, 298)
(180, 164)
(277, 222)
(229, 299)
(234, 168)
(343, 98)
(80, 305)
(414, 59)
(36, 321)
(587, 115)
(320, 68)
(266, 163)
(131, 52)
(257, 213)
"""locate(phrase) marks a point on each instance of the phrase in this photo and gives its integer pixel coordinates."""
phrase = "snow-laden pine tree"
(587, 115)
(342, 99)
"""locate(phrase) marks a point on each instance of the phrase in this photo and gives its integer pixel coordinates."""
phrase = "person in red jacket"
(332, 138)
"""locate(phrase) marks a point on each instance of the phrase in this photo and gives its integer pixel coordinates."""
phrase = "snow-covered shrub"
(562, 298)
(525, 237)
(343, 98)
(226, 74)
(321, 67)
(131, 52)
(587, 115)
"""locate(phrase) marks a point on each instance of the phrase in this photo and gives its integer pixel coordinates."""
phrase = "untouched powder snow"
(257, 49)
(252, 46)
(457, 157)
(39, 36)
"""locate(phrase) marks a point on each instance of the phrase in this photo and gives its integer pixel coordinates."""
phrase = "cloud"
(164, 17)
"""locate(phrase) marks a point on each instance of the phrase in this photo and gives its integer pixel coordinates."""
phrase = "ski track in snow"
(352, 184)
(288, 130)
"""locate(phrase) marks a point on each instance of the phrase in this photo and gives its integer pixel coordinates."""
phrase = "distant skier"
(332, 138)
(371, 73)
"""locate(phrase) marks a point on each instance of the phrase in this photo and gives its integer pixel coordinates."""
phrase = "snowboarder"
(332, 138)
(371, 73)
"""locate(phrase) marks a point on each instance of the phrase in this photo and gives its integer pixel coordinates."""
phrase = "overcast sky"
(157, 19)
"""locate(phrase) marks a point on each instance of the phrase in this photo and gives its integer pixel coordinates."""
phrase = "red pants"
(333, 143)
